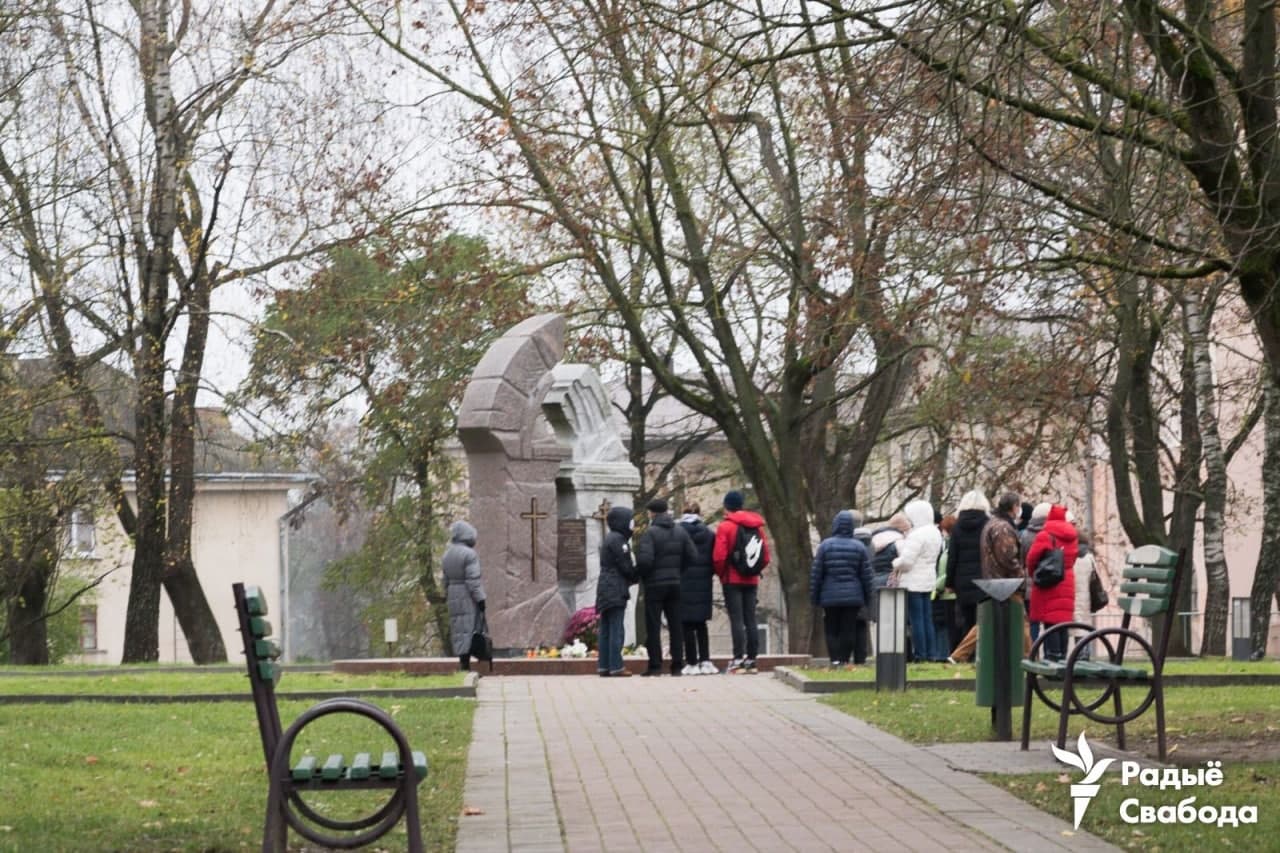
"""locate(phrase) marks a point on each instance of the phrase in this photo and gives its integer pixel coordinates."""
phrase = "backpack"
(747, 556)
(1052, 567)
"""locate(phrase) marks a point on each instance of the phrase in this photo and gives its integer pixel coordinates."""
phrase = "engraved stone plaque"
(571, 549)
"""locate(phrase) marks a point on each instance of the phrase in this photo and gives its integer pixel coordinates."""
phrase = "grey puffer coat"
(617, 571)
(463, 588)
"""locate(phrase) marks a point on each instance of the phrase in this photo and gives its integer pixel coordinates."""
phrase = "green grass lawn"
(191, 776)
(941, 671)
(141, 683)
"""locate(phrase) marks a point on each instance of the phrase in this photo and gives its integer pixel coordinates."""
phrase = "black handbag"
(481, 643)
(1098, 598)
(1052, 567)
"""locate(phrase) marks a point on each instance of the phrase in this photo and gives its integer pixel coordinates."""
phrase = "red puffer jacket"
(1056, 603)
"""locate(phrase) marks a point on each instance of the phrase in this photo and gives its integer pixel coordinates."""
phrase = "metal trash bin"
(998, 618)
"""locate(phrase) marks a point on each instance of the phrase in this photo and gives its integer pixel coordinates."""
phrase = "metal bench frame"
(1071, 672)
(285, 806)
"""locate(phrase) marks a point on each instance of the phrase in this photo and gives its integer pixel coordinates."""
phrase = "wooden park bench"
(400, 770)
(1152, 576)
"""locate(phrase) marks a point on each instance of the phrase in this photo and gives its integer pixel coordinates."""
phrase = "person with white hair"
(916, 571)
(964, 555)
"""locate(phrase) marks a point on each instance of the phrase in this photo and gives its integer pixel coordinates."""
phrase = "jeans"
(659, 601)
(920, 615)
(1055, 644)
(610, 634)
(697, 645)
(946, 628)
(846, 639)
(740, 601)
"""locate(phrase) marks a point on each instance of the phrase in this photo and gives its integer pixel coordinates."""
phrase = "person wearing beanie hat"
(739, 573)
(695, 594)
(663, 554)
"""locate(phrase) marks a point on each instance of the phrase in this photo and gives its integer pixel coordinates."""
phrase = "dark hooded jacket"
(695, 583)
(964, 555)
(663, 552)
(617, 571)
(841, 572)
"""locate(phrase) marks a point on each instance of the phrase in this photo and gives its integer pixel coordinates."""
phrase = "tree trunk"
(1266, 578)
(154, 261)
(1217, 604)
(190, 605)
(28, 628)
(436, 601)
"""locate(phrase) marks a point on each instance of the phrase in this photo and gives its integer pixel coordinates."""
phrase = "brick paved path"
(578, 763)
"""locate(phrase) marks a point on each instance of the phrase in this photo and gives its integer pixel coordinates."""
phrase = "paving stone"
(572, 763)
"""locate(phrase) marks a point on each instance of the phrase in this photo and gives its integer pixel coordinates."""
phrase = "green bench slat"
(1045, 669)
(255, 601)
(359, 768)
(266, 649)
(390, 766)
(332, 769)
(304, 769)
(1155, 590)
(1145, 607)
(1057, 671)
(1145, 573)
(259, 627)
(1152, 555)
(269, 671)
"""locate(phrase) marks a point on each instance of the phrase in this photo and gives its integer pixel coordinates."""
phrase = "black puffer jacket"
(695, 583)
(964, 555)
(617, 571)
(663, 552)
(841, 572)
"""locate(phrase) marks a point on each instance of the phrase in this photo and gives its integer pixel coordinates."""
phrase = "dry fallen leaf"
(1064, 777)
(472, 810)
(91, 759)
(1041, 787)
(148, 804)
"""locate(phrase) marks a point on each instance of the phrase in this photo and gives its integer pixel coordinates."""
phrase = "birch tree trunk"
(1217, 579)
(1266, 578)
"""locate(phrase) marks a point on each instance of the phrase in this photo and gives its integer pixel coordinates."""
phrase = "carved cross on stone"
(532, 516)
(602, 515)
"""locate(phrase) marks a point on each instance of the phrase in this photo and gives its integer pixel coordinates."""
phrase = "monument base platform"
(531, 666)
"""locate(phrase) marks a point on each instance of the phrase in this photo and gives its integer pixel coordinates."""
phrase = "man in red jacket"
(739, 556)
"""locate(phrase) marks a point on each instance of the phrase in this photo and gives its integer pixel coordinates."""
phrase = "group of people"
(674, 561)
(937, 560)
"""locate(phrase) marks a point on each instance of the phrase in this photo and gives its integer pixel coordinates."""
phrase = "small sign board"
(571, 549)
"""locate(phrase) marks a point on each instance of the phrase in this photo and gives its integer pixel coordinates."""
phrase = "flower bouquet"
(584, 626)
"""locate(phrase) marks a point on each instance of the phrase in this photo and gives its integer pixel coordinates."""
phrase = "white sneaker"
(735, 665)
(708, 668)
(690, 669)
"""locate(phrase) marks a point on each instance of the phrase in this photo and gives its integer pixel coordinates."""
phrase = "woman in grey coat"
(463, 588)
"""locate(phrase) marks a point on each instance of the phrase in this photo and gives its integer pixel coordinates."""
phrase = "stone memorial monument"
(545, 463)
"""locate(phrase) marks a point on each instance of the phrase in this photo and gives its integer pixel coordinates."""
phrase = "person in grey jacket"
(464, 591)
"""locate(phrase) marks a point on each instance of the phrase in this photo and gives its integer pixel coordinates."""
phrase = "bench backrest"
(261, 654)
(1151, 578)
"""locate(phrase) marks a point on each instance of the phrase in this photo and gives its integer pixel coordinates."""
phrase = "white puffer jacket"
(917, 562)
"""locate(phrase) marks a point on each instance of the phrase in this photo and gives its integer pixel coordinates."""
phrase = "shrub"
(583, 625)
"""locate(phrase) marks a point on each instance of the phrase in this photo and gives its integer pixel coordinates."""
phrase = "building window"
(89, 628)
(80, 534)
